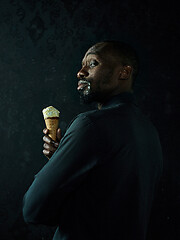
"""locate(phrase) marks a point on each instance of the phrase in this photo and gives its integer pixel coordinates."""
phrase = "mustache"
(83, 81)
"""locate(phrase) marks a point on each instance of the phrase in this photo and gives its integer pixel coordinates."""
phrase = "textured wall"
(42, 43)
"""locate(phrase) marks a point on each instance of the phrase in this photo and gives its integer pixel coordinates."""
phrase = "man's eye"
(93, 63)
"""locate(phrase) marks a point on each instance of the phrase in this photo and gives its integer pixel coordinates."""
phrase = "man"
(100, 181)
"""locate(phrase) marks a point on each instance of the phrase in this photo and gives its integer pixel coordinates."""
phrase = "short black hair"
(123, 51)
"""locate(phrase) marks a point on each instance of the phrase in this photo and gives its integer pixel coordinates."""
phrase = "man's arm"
(64, 172)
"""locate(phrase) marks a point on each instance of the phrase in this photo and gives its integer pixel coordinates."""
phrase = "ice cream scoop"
(51, 117)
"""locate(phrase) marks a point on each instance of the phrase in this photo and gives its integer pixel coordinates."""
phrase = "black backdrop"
(42, 43)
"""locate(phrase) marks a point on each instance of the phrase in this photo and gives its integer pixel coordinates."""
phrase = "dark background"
(42, 43)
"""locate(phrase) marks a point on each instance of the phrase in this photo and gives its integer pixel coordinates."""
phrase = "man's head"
(108, 68)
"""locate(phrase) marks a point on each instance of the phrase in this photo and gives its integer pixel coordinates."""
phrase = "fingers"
(47, 153)
(48, 150)
(45, 131)
(50, 146)
(58, 134)
(47, 139)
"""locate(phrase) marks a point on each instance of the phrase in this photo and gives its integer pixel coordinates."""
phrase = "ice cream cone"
(52, 126)
(51, 117)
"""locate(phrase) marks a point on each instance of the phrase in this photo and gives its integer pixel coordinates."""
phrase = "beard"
(96, 94)
(91, 98)
(87, 96)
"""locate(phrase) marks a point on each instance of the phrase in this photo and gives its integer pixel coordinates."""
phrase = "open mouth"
(82, 84)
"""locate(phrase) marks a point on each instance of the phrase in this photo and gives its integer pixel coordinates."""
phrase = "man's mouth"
(82, 84)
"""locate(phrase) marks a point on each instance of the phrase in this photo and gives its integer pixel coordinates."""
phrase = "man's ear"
(125, 72)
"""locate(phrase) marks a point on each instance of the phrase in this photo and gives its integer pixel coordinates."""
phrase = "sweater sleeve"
(63, 173)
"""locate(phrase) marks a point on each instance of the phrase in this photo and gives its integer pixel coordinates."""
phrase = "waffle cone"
(52, 126)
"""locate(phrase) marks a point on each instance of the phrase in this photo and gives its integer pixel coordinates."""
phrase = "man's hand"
(50, 146)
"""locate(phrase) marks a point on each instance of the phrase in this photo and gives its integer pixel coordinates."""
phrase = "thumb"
(58, 134)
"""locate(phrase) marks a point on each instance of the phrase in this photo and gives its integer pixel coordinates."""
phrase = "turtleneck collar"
(124, 97)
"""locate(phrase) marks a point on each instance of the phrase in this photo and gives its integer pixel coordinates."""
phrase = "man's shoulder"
(81, 120)
(97, 117)
(92, 115)
(85, 119)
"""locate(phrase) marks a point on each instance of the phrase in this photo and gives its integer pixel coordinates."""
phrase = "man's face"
(98, 77)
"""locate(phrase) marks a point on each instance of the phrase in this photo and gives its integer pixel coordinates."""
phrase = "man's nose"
(83, 73)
